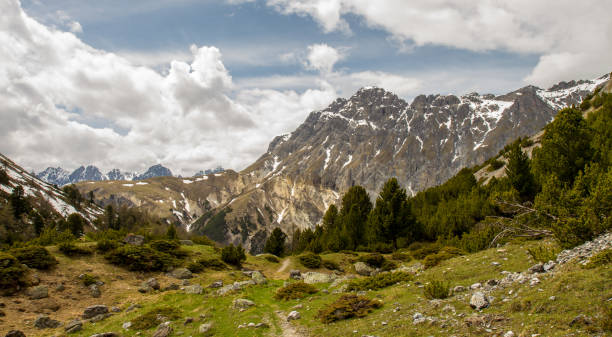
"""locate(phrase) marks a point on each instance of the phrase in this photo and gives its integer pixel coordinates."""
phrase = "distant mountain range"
(60, 177)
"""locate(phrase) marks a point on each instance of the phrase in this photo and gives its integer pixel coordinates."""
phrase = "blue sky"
(195, 84)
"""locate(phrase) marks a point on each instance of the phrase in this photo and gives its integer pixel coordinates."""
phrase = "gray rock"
(181, 273)
(133, 239)
(293, 316)
(60, 287)
(242, 303)
(133, 307)
(186, 242)
(418, 318)
(115, 309)
(363, 269)
(316, 277)
(126, 325)
(581, 320)
(74, 326)
(479, 300)
(151, 283)
(94, 290)
(459, 289)
(38, 292)
(295, 274)
(509, 334)
(234, 287)
(258, 277)
(94, 310)
(98, 318)
(536, 268)
(216, 284)
(163, 330)
(204, 328)
(172, 286)
(195, 289)
(548, 266)
(44, 322)
(15, 333)
(106, 334)
(475, 286)
(188, 320)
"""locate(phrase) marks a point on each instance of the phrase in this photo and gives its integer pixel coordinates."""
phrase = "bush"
(543, 252)
(424, 250)
(399, 256)
(109, 234)
(373, 260)
(436, 289)
(88, 280)
(203, 264)
(310, 260)
(600, 259)
(331, 265)
(495, 165)
(416, 246)
(106, 245)
(140, 258)
(233, 255)
(295, 291)
(388, 265)
(70, 249)
(51, 236)
(149, 319)
(348, 306)
(202, 240)
(169, 247)
(34, 257)
(4, 178)
(526, 142)
(379, 281)
(12, 273)
(272, 258)
(444, 254)
(195, 267)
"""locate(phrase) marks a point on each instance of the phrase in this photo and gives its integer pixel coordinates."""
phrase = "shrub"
(149, 319)
(600, 259)
(526, 142)
(233, 255)
(295, 291)
(373, 260)
(388, 265)
(378, 281)
(4, 178)
(381, 247)
(331, 265)
(543, 253)
(426, 249)
(436, 289)
(70, 249)
(415, 246)
(444, 254)
(272, 258)
(34, 257)
(106, 245)
(214, 264)
(348, 306)
(51, 236)
(140, 258)
(202, 240)
(495, 165)
(310, 260)
(12, 273)
(88, 280)
(399, 256)
(195, 267)
(109, 234)
(169, 247)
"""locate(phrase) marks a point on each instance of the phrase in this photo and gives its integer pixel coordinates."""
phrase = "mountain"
(364, 140)
(155, 171)
(116, 174)
(217, 169)
(55, 175)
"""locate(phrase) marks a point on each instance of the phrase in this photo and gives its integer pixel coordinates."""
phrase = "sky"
(193, 84)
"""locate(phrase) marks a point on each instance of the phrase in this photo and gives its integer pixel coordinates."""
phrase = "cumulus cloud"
(570, 37)
(322, 57)
(66, 103)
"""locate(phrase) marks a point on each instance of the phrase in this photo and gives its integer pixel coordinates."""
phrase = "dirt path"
(289, 330)
(283, 266)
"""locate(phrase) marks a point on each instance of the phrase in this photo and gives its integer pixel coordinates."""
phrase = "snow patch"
(350, 158)
(185, 181)
(128, 185)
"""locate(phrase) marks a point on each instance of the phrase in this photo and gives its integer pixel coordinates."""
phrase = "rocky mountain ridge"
(60, 177)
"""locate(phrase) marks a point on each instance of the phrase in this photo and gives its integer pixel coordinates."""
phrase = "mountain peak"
(155, 171)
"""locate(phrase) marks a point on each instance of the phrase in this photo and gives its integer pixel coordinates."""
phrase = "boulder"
(316, 277)
(242, 303)
(195, 289)
(151, 283)
(181, 273)
(363, 269)
(94, 310)
(536, 268)
(126, 325)
(216, 284)
(479, 300)
(74, 326)
(163, 330)
(94, 290)
(133, 239)
(459, 289)
(15, 333)
(172, 286)
(98, 318)
(204, 328)
(258, 278)
(475, 286)
(548, 266)
(295, 274)
(44, 322)
(38, 292)
(293, 316)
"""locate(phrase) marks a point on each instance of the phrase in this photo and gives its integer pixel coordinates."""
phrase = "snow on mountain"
(155, 171)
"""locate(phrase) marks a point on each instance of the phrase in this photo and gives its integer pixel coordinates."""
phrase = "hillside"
(362, 140)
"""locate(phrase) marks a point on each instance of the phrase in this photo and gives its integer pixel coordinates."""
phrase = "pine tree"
(276, 242)
(356, 206)
(518, 171)
(390, 218)
(18, 202)
(75, 224)
(171, 233)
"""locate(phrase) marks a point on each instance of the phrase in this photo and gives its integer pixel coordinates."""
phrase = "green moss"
(310, 260)
(34, 257)
(379, 281)
(295, 290)
(348, 306)
(149, 319)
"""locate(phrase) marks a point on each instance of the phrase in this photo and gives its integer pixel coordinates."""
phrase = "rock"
(186, 242)
(172, 286)
(133, 239)
(316, 277)
(151, 283)
(242, 303)
(295, 274)
(181, 273)
(552, 298)
(534, 281)
(60, 287)
(126, 325)
(459, 289)
(548, 266)
(163, 330)
(479, 301)
(98, 318)
(293, 316)
(94, 290)
(261, 325)
(195, 289)
(216, 284)
(44, 322)
(492, 283)
(74, 326)
(476, 286)
(418, 318)
(495, 263)
(363, 269)
(185, 283)
(448, 308)
(38, 292)
(509, 334)
(536, 268)
(95, 310)
(258, 278)
(298, 306)
(581, 320)
(204, 328)
(15, 333)
(115, 309)
(133, 307)
(106, 334)
(188, 320)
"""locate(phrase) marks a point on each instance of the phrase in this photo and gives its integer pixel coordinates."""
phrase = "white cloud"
(76, 27)
(322, 57)
(565, 33)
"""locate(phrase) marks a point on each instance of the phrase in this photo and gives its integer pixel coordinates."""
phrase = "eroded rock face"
(316, 277)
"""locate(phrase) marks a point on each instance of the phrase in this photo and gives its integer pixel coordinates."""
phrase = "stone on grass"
(44, 322)
(74, 326)
(316, 277)
(163, 330)
(38, 292)
(181, 273)
(95, 310)
(195, 289)
(216, 284)
(293, 316)
(204, 328)
(106, 334)
(459, 289)
(536, 268)
(258, 277)
(126, 325)
(242, 303)
(363, 269)
(94, 290)
(479, 300)
(295, 274)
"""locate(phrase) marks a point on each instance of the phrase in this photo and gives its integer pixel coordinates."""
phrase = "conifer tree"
(276, 242)
(518, 171)
(356, 206)
(391, 217)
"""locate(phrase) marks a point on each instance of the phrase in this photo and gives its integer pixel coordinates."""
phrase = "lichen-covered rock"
(242, 303)
(258, 277)
(479, 300)
(181, 273)
(363, 269)
(195, 289)
(38, 292)
(74, 326)
(94, 310)
(44, 322)
(313, 277)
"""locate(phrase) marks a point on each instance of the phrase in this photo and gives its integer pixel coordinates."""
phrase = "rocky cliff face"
(366, 139)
